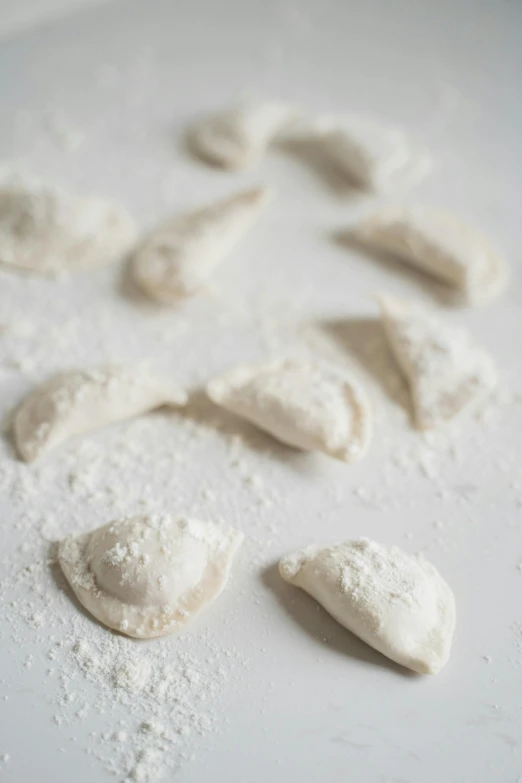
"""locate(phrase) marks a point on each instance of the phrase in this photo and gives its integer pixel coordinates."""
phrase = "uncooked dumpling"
(447, 372)
(441, 245)
(301, 403)
(47, 230)
(179, 257)
(81, 401)
(149, 576)
(395, 602)
(374, 156)
(238, 136)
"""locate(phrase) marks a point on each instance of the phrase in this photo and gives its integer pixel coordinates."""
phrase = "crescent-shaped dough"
(448, 373)
(236, 137)
(439, 244)
(301, 403)
(179, 257)
(148, 576)
(84, 400)
(395, 602)
(45, 229)
(375, 156)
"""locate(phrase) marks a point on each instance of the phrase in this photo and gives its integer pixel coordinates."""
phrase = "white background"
(313, 703)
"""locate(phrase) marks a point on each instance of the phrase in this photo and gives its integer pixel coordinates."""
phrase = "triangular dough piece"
(395, 602)
(238, 136)
(447, 372)
(375, 156)
(441, 245)
(301, 403)
(179, 257)
(149, 576)
(47, 230)
(81, 401)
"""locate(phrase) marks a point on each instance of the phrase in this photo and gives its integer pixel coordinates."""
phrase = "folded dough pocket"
(304, 404)
(439, 244)
(236, 137)
(149, 576)
(373, 155)
(73, 403)
(46, 230)
(448, 373)
(179, 257)
(395, 602)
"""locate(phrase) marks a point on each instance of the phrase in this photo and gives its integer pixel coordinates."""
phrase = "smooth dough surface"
(148, 576)
(178, 258)
(80, 401)
(447, 371)
(375, 156)
(238, 135)
(440, 244)
(47, 230)
(397, 603)
(304, 404)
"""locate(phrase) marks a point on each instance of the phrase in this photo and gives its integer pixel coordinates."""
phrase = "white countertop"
(300, 698)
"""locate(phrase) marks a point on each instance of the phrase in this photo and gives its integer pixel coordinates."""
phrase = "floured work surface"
(264, 673)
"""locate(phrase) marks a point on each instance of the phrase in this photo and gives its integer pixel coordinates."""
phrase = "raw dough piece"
(301, 403)
(81, 401)
(374, 156)
(441, 245)
(447, 372)
(238, 136)
(148, 576)
(395, 602)
(179, 257)
(47, 230)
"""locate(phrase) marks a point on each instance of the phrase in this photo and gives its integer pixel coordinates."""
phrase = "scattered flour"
(167, 693)
(150, 708)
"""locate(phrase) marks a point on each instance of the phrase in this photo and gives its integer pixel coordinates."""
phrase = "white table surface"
(307, 702)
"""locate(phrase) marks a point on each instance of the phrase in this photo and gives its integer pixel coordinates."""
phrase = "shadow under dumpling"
(365, 341)
(202, 410)
(444, 294)
(321, 626)
(311, 153)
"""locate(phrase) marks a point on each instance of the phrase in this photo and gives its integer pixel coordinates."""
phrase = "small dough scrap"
(395, 602)
(46, 230)
(447, 372)
(439, 244)
(76, 402)
(148, 576)
(301, 403)
(238, 136)
(375, 156)
(179, 257)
